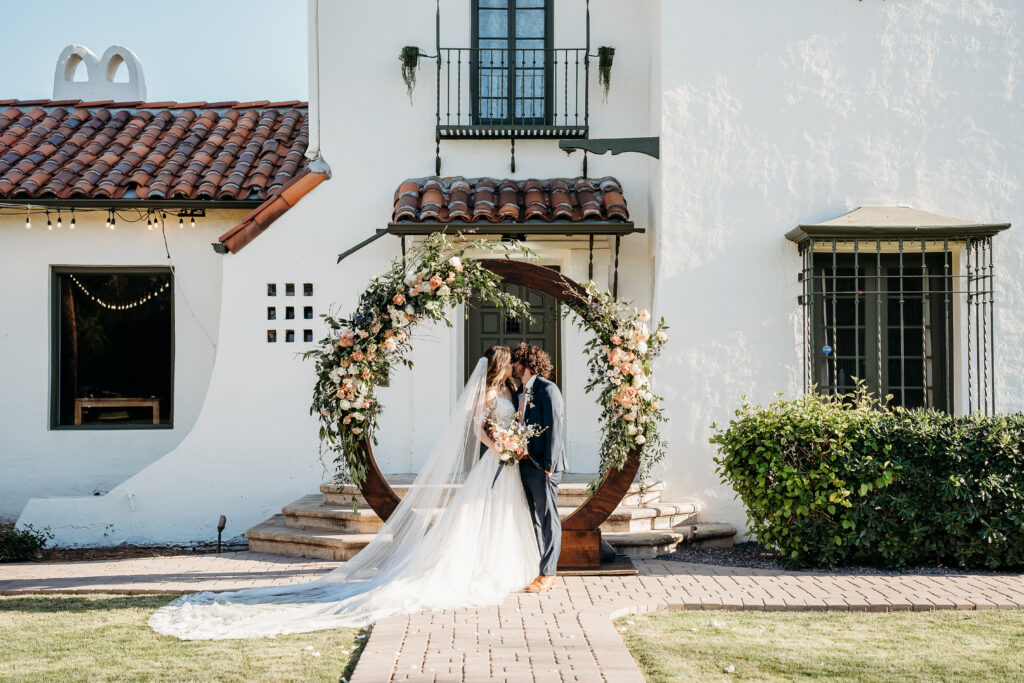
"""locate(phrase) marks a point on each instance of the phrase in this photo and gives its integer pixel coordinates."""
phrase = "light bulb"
(193, 222)
(28, 223)
(149, 224)
(72, 226)
(181, 222)
(59, 222)
(49, 223)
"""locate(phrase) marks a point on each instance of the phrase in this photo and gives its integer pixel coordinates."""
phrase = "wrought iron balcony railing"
(520, 93)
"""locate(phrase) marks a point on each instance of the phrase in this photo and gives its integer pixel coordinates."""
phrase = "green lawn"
(773, 646)
(106, 637)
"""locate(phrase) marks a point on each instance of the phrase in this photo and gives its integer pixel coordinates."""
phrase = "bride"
(444, 546)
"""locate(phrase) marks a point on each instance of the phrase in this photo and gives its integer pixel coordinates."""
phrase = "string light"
(59, 221)
(181, 222)
(120, 307)
(28, 221)
(106, 223)
(49, 224)
(149, 221)
(72, 226)
(113, 219)
(154, 217)
(193, 222)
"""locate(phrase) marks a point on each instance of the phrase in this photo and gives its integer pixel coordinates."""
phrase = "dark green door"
(486, 326)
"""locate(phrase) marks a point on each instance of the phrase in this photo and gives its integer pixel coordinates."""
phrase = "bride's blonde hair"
(499, 358)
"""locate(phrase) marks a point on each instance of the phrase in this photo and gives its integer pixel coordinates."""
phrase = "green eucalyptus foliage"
(829, 480)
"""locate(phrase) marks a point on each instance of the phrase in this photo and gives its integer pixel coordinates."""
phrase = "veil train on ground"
(413, 563)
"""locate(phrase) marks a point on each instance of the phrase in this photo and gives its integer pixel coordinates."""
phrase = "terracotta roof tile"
(489, 199)
(260, 218)
(193, 150)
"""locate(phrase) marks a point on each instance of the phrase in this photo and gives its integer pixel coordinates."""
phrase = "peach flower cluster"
(627, 355)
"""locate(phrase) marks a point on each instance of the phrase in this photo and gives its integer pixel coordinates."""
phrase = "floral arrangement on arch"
(620, 358)
(359, 352)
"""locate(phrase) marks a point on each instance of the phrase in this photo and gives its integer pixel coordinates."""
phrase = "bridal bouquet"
(510, 441)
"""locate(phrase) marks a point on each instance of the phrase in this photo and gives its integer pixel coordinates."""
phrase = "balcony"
(520, 93)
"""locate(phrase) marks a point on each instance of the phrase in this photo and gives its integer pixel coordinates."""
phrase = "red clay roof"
(150, 150)
(260, 218)
(488, 199)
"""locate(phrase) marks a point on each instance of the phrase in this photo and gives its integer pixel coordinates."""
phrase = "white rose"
(456, 262)
(443, 290)
(641, 348)
(357, 416)
(616, 380)
(641, 439)
(409, 309)
(345, 405)
(631, 430)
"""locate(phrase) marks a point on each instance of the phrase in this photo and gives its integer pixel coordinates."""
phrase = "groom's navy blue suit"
(542, 471)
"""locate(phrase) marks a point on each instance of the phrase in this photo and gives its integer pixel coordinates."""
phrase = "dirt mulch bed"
(127, 551)
(753, 555)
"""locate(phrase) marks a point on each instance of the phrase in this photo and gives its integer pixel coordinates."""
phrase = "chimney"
(99, 84)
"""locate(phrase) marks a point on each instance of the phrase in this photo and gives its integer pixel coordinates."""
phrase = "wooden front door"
(486, 326)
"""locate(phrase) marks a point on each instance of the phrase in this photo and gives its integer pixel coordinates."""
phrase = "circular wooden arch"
(616, 482)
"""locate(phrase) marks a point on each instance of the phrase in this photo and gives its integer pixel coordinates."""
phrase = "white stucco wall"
(770, 114)
(775, 114)
(38, 461)
(254, 447)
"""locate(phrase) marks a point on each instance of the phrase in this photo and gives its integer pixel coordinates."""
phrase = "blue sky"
(210, 50)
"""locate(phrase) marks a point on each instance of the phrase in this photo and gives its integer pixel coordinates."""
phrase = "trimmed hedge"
(829, 481)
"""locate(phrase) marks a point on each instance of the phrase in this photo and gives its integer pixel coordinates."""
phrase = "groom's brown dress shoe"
(535, 587)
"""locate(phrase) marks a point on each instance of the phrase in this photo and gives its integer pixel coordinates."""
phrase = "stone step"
(647, 544)
(572, 491)
(311, 512)
(274, 536)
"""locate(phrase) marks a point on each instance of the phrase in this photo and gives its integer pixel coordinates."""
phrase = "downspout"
(313, 150)
(318, 164)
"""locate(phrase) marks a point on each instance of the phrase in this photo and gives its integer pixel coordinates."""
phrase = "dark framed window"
(112, 345)
(511, 79)
(886, 319)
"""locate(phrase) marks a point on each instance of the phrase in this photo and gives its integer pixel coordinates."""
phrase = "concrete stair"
(337, 523)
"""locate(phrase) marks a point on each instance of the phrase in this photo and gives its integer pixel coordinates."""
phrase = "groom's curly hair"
(534, 358)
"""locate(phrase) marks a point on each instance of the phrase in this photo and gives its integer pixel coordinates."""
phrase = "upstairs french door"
(511, 73)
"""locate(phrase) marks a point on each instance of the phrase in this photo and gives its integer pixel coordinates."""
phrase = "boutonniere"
(529, 397)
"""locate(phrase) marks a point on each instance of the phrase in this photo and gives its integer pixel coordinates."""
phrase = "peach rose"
(363, 334)
(366, 374)
(366, 405)
(388, 334)
(654, 404)
(616, 339)
(358, 356)
(451, 276)
(347, 420)
(398, 299)
(436, 281)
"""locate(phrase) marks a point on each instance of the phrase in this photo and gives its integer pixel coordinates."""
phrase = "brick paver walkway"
(564, 635)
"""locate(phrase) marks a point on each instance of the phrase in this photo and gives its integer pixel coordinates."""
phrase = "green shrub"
(831, 480)
(20, 545)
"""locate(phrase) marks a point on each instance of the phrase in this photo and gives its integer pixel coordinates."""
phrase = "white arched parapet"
(99, 84)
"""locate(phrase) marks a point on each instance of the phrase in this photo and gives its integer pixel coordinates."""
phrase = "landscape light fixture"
(221, 523)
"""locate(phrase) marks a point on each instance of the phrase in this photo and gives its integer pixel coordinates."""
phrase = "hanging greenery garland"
(605, 56)
(410, 59)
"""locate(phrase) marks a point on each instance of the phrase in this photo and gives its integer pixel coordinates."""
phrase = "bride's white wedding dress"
(445, 546)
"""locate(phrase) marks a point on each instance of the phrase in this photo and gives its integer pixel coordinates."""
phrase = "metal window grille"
(911, 317)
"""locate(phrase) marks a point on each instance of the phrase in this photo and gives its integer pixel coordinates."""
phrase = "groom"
(540, 403)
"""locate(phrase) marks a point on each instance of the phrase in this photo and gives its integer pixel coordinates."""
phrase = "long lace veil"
(349, 595)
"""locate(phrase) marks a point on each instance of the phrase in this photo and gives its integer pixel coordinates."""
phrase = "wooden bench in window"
(117, 403)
